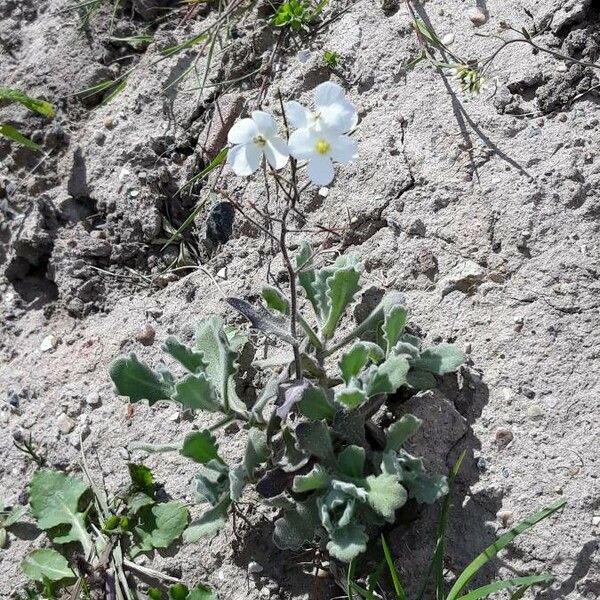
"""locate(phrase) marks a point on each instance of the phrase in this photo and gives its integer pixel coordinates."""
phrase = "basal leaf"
(209, 523)
(441, 359)
(198, 393)
(296, 527)
(341, 287)
(54, 499)
(315, 405)
(428, 488)
(257, 451)
(201, 447)
(212, 481)
(354, 361)
(191, 359)
(316, 479)
(33, 104)
(314, 438)
(13, 516)
(348, 542)
(421, 380)
(293, 458)
(388, 376)
(386, 494)
(315, 289)
(160, 525)
(351, 461)
(399, 432)
(136, 380)
(46, 564)
(275, 300)
(393, 325)
(350, 397)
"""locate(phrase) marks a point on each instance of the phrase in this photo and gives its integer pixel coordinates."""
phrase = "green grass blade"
(171, 50)
(33, 104)
(492, 588)
(218, 160)
(400, 593)
(349, 578)
(12, 133)
(499, 544)
(117, 90)
(437, 562)
(520, 592)
(364, 593)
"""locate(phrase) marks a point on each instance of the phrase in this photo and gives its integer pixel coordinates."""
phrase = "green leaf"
(316, 479)
(12, 133)
(201, 447)
(441, 359)
(351, 461)
(257, 451)
(350, 397)
(160, 525)
(209, 523)
(421, 380)
(197, 392)
(492, 588)
(348, 542)
(399, 432)
(354, 361)
(136, 380)
(296, 527)
(142, 478)
(349, 425)
(3, 537)
(471, 570)
(315, 289)
(293, 458)
(33, 104)
(400, 593)
(202, 592)
(314, 438)
(341, 287)
(13, 516)
(428, 488)
(393, 326)
(428, 33)
(54, 499)
(138, 501)
(191, 359)
(315, 405)
(275, 300)
(212, 481)
(388, 376)
(46, 564)
(386, 494)
(214, 344)
(179, 591)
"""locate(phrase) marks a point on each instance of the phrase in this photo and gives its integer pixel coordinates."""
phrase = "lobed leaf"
(348, 542)
(198, 393)
(191, 359)
(400, 431)
(201, 447)
(136, 380)
(316, 479)
(386, 494)
(46, 564)
(159, 526)
(388, 376)
(341, 287)
(355, 360)
(393, 325)
(441, 359)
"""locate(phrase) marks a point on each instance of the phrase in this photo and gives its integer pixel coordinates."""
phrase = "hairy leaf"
(293, 458)
(288, 395)
(46, 564)
(386, 495)
(296, 527)
(191, 359)
(54, 499)
(263, 320)
(393, 326)
(400, 431)
(441, 359)
(354, 361)
(209, 523)
(421, 380)
(257, 451)
(314, 288)
(388, 376)
(275, 300)
(350, 397)
(197, 392)
(315, 405)
(316, 479)
(136, 380)
(212, 481)
(341, 287)
(159, 526)
(348, 542)
(314, 438)
(201, 447)
(349, 425)
(351, 461)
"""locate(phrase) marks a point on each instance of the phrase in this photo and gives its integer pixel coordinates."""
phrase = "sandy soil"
(484, 212)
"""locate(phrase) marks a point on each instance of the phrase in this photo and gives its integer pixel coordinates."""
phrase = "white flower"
(251, 139)
(320, 147)
(333, 110)
(319, 138)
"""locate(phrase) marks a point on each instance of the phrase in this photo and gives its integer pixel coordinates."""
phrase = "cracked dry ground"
(484, 213)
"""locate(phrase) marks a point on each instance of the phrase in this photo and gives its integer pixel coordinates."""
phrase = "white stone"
(65, 424)
(48, 343)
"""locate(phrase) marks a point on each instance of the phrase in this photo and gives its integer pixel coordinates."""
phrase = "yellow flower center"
(322, 146)
(259, 140)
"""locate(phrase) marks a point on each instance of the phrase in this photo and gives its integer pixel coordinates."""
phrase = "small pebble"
(65, 424)
(254, 567)
(93, 399)
(303, 56)
(478, 17)
(48, 343)
(503, 437)
(482, 464)
(535, 412)
(323, 192)
(448, 39)
(596, 520)
(146, 335)
(505, 517)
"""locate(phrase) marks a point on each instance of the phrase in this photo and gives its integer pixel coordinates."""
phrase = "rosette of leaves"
(318, 454)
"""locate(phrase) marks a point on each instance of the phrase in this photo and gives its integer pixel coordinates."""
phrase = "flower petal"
(265, 123)
(339, 116)
(328, 93)
(242, 132)
(343, 149)
(320, 170)
(297, 115)
(302, 144)
(276, 151)
(244, 159)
